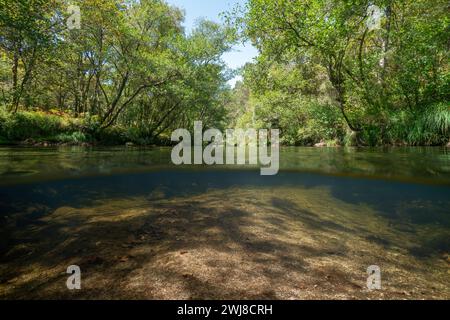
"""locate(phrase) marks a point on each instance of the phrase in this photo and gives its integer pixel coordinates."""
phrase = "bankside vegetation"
(129, 73)
(347, 72)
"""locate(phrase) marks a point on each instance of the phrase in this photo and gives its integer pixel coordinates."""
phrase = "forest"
(328, 73)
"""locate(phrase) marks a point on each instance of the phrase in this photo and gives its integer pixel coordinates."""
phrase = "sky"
(210, 9)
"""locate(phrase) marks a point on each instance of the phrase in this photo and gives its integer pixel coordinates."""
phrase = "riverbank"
(54, 128)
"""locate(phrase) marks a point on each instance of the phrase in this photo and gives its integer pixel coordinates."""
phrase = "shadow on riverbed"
(386, 197)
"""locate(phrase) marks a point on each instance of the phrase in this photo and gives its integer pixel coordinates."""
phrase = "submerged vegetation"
(332, 72)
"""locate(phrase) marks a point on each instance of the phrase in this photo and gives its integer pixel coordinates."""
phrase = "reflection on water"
(421, 164)
(141, 228)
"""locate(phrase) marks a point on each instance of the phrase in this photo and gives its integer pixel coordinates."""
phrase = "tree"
(27, 35)
(381, 57)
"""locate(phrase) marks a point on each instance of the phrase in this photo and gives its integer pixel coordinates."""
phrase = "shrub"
(431, 126)
(74, 137)
(40, 126)
(324, 123)
(112, 135)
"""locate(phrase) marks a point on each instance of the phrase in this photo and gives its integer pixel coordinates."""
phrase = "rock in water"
(320, 144)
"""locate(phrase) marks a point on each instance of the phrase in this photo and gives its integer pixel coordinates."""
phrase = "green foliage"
(322, 123)
(129, 73)
(428, 126)
(437, 118)
(325, 53)
(76, 137)
(23, 125)
(113, 135)
(431, 126)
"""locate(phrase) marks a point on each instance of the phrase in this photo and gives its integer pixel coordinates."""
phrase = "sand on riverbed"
(238, 243)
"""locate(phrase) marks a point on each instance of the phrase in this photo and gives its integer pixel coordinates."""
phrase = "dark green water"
(419, 164)
(405, 189)
(76, 176)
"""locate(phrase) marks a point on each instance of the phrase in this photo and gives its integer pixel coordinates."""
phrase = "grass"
(54, 127)
(431, 127)
(20, 126)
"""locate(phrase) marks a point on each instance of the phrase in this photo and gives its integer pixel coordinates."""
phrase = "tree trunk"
(15, 68)
(386, 41)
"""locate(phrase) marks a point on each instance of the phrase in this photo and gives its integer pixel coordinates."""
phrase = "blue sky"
(210, 9)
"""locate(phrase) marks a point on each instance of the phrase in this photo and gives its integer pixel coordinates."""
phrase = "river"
(141, 227)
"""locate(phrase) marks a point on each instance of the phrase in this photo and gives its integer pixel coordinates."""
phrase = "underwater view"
(140, 227)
